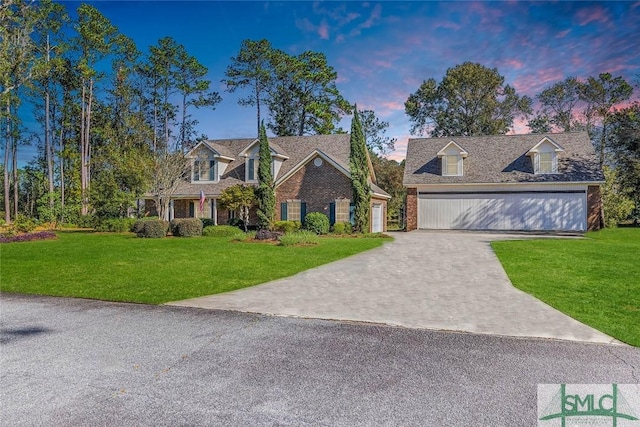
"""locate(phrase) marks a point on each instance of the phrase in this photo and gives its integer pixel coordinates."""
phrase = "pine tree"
(265, 192)
(359, 175)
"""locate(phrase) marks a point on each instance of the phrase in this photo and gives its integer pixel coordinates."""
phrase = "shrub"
(342, 228)
(24, 224)
(236, 222)
(186, 227)
(40, 235)
(317, 222)
(153, 228)
(116, 225)
(139, 223)
(287, 226)
(268, 235)
(221, 231)
(87, 221)
(299, 238)
(241, 236)
(207, 222)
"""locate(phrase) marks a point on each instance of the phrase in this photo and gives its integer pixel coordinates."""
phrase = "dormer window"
(452, 157)
(544, 156)
(452, 165)
(204, 170)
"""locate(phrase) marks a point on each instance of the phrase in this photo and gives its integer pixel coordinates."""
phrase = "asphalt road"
(68, 362)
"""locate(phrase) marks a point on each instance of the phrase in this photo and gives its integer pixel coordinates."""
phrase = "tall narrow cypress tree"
(359, 175)
(265, 192)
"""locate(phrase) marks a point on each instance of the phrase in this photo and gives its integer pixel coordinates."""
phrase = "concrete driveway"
(434, 280)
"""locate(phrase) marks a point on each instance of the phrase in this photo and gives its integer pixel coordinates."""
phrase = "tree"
(601, 94)
(625, 144)
(17, 57)
(194, 90)
(251, 68)
(169, 171)
(389, 174)
(95, 41)
(239, 198)
(559, 101)
(265, 192)
(540, 123)
(303, 96)
(374, 133)
(470, 100)
(359, 167)
(616, 204)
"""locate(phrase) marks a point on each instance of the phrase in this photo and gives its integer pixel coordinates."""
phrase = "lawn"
(121, 267)
(595, 280)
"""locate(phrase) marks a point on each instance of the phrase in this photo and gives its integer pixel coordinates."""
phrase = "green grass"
(121, 267)
(595, 280)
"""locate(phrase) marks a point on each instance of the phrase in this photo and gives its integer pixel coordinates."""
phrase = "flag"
(202, 199)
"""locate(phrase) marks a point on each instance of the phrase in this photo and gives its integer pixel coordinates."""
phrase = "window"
(342, 210)
(204, 170)
(251, 170)
(294, 210)
(452, 165)
(546, 163)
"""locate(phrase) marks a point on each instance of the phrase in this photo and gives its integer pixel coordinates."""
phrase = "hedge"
(186, 227)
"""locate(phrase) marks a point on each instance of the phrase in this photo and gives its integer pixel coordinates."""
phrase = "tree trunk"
(7, 148)
(62, 187)
(16, 183)
(47, 138)
(83, 178)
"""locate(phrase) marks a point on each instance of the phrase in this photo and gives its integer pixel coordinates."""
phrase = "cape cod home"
(311, 174)
(533, 182)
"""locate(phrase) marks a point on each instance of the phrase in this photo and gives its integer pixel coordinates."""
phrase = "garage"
(561, 211)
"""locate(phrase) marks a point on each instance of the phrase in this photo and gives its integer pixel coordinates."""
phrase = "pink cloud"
(323, 31)
(448, 25)
(593, 14)
(563, 34)
(400, 152)
(382, 64)
(512, 63)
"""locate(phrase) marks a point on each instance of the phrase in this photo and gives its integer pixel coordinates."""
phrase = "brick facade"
(411, 211)
(594, 208)
(317, 186)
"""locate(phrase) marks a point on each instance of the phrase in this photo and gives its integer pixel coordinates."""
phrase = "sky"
(382, 51)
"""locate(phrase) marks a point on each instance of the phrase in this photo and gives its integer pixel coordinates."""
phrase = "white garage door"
(503, 211)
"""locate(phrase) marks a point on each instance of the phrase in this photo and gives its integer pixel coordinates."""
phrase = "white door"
(503, 211)
(377, 218)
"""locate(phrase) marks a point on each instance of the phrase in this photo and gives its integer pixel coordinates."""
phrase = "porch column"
(214, 211)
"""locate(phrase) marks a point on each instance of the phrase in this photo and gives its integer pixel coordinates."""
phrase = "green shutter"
(196, 170)
(212, 169)
(303, 211)
(192, 210)
(283, 211)
(332, 213)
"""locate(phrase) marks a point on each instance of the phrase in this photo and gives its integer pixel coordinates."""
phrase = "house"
(504, 182)
(311, 174)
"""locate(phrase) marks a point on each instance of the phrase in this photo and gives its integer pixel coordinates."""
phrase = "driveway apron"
(434, 280)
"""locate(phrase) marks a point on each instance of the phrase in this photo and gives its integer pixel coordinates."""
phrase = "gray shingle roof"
(295, 147)
(502, 159)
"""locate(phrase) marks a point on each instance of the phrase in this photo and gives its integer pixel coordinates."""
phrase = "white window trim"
(299, 206)
(256, 164)
(554, 163)
(348, 212)
(459, 161)
(204, 181)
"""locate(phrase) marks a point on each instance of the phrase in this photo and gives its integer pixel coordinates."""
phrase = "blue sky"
(382, 51)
